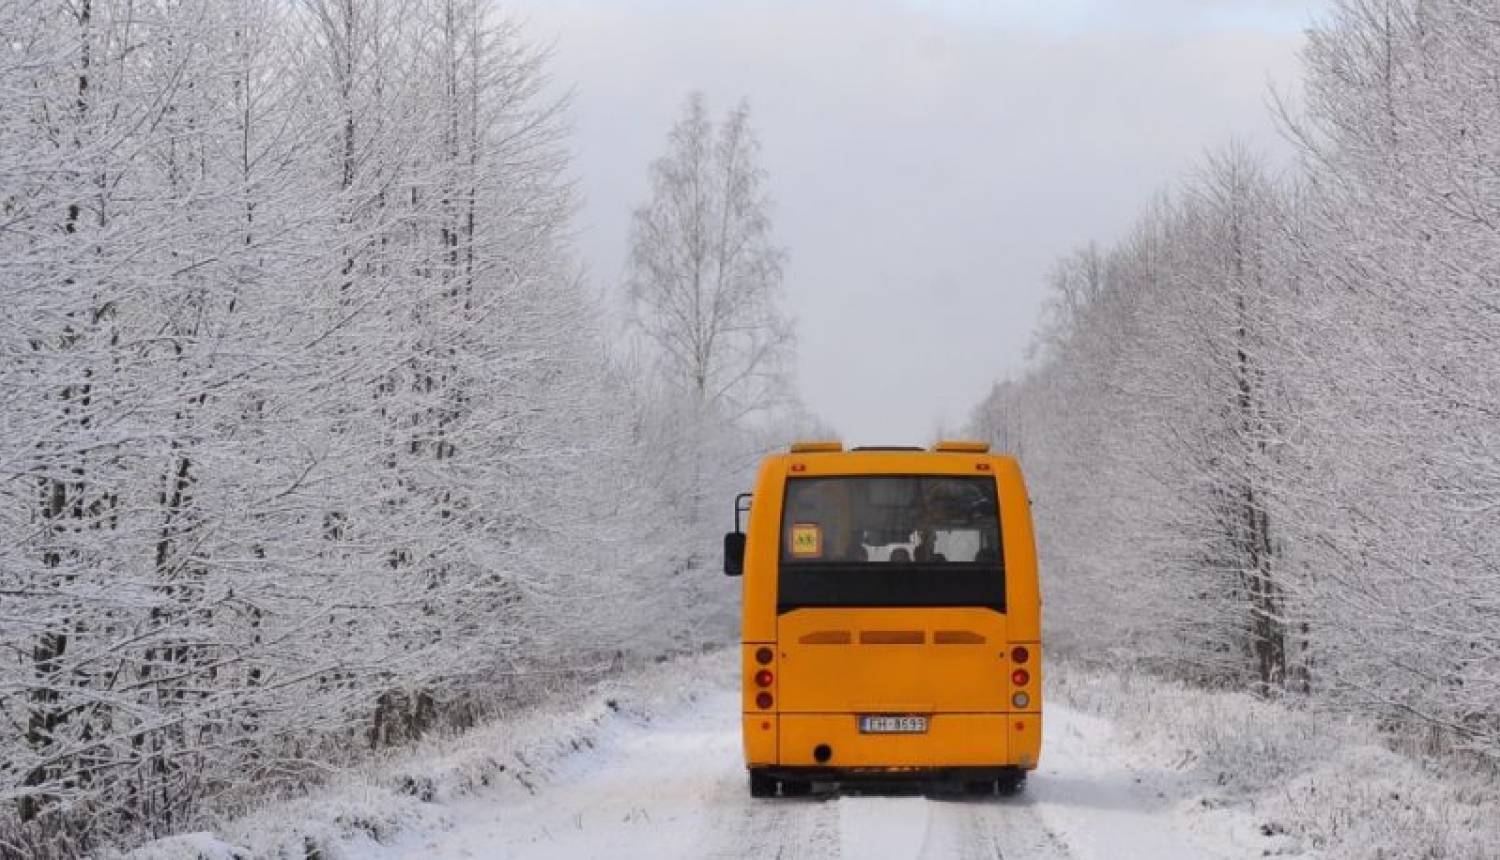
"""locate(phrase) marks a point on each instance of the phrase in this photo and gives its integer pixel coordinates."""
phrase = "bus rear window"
(922, 540)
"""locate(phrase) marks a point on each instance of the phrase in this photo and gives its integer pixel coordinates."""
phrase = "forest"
(313, 436)
(317, 436)
(1261, 428)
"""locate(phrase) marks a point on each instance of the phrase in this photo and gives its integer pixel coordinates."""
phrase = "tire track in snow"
(786, 832)
(988, 828)
(883, 827)
(875, 827)
(778, 829)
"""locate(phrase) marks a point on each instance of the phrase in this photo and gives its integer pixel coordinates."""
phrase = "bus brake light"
(763, 678)
(1020, 677)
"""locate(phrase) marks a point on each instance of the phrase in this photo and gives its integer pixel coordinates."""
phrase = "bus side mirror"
(734, 542)
(734, 554)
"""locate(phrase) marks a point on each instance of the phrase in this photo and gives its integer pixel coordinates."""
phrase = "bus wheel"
(761, 785)
(980, 789)
(795, 788)
(1012, 782)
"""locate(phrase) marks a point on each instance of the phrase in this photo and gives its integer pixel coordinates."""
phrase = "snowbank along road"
(673, 785)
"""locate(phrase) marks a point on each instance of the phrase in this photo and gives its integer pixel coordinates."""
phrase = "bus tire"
(795, 788)
(1011, 783)
(984, 788)
(761, 785)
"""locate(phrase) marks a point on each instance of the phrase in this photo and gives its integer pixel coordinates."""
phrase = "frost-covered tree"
(705, 277)
(1219, 409)
(1150, 426)
(305, 409)
(1400, 471)
(1263, 449)
(704, 287)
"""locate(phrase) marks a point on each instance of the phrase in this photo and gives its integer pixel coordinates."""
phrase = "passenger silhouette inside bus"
(926, 541)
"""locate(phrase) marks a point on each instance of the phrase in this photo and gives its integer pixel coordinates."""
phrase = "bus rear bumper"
(832, 743)
(893, 775)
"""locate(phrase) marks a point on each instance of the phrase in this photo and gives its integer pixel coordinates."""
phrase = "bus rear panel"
(891, 620)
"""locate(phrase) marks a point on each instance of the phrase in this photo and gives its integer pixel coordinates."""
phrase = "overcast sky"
(929, 160)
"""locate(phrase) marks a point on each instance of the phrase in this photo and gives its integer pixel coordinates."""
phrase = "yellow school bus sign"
(807, 540)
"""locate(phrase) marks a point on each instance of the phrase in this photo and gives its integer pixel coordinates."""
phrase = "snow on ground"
(674, 786)
(652, 769)
(1302, 780)
(411, 790)
(1111, 804)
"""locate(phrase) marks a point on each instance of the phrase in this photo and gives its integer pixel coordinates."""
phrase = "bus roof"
(946, 446)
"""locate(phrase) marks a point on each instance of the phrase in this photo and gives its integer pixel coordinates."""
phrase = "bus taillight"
(763, 700)
(763, 656)
(1020, 677)
(763, 678)
(1019, 654)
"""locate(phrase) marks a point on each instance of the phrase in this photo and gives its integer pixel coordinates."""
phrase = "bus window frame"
(914, 584)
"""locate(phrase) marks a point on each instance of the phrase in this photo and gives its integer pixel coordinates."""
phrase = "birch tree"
(704, 286)
(704, 275)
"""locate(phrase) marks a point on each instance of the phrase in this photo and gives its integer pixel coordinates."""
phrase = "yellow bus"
(892, 618)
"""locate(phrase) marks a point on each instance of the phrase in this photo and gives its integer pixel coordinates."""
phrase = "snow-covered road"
(673, 785)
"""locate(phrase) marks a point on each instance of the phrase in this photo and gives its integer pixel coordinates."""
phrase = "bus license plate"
(890, 725)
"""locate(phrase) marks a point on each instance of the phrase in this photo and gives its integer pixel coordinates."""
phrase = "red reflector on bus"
(763, 678)
(763, 656)
(1020, 654)
(763, 701)
(1020, 677)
